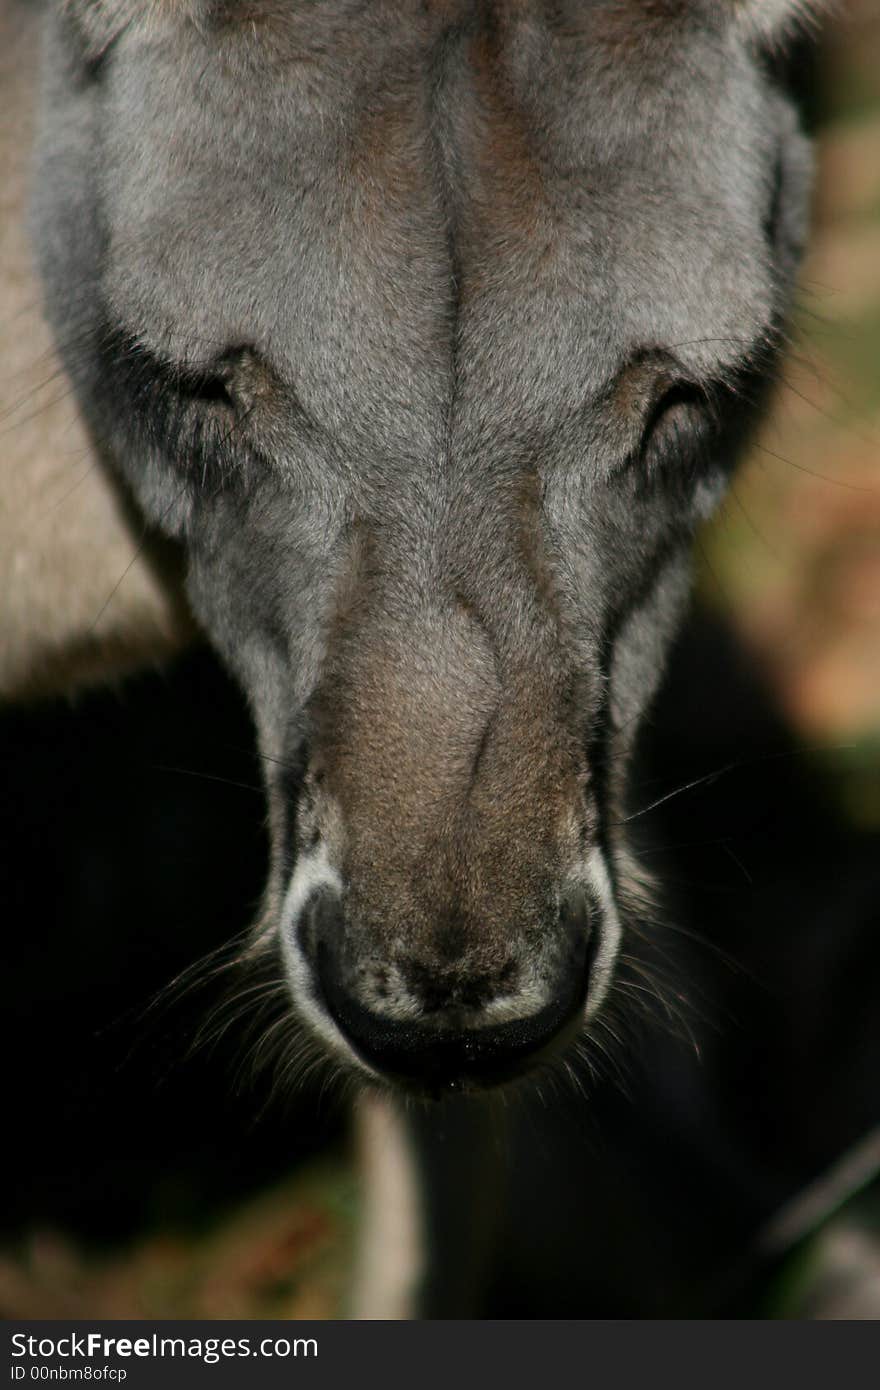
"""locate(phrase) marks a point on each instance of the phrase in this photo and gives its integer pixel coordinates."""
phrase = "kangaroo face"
(432, 330)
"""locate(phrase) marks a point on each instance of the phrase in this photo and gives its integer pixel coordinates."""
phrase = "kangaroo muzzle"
(453, 1007)
(450, 1040)
(449, 921)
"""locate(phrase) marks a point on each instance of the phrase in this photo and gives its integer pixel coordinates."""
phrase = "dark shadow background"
(133, 843)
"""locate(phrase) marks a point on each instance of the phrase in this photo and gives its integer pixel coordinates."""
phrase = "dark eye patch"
(210, 385)
(237, 382)
(203, 419)
(190, 416)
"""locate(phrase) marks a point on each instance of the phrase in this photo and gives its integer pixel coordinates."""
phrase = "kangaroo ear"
(769, 21)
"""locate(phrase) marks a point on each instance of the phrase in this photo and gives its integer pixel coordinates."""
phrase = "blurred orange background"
(794, 557)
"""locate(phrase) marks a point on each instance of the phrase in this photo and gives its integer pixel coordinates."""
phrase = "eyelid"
(675, 423)
(650, 386)
(670, 394)
(215, 380)
(211, 380)
(208, 386)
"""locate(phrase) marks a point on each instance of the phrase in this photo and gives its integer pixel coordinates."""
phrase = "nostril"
(580, 929)
(445, 1044)
(433, 1055)
(575, 917)
(320, 922)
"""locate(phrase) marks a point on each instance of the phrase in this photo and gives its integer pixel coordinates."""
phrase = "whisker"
(208, 777)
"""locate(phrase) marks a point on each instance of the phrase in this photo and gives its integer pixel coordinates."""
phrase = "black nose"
(437, 1056)
(445, 1053)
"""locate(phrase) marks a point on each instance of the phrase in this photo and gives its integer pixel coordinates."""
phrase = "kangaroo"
(429, 332)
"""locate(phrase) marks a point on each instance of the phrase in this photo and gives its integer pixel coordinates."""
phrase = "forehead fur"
(101, 21)
(566, 203)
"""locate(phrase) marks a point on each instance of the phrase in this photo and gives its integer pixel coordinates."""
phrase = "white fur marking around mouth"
(599, 881)
(313, 871)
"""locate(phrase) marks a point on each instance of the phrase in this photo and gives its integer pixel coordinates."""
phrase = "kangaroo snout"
(450, 919)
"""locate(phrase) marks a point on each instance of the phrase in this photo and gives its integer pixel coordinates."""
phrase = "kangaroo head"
(432, 330)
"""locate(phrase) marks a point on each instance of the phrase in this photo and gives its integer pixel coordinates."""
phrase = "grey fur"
(432, 330)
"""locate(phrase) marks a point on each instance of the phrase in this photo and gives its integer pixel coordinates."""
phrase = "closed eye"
(677, 419)
(192, 415)
(213, 384)
(148, 375)
(208, 388)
